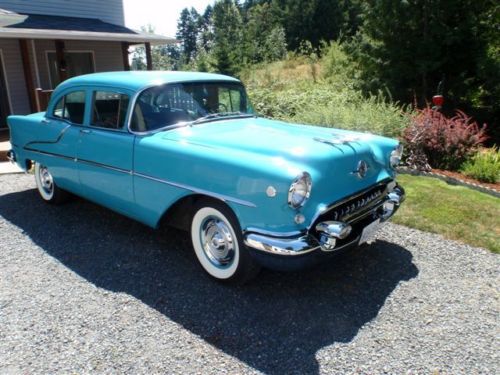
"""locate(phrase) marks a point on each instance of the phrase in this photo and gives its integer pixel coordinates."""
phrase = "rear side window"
(109, 109)
(71, 107)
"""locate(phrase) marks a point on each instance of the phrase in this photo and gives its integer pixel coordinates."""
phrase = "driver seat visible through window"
(109, 109)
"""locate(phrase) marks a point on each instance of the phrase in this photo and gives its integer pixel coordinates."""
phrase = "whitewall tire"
(218, 245)
(46, 186)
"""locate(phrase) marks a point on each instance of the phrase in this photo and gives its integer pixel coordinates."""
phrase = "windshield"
(171, 104)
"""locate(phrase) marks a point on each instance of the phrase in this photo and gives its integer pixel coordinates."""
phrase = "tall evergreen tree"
(187, 33)
(260, 28)
(410, 46)
(228, 26)
(206, 29)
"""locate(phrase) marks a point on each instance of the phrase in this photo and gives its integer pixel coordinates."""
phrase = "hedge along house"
(44, 42)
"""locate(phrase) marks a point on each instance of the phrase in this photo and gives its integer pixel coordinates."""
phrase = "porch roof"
(42, 26)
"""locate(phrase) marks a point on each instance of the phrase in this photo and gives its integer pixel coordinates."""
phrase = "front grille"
(356, 206)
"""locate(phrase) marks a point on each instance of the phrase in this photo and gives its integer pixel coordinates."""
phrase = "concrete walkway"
(7, 167)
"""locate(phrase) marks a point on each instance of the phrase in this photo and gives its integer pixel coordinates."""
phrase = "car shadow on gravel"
(276, 324)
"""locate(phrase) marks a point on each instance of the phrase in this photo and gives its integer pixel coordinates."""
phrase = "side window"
(71, 107)
(59, 109)
(109, 109)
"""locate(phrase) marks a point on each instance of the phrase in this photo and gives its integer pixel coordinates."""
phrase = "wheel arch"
(180, 213)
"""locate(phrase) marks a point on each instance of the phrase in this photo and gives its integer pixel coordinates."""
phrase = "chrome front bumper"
(329, 236)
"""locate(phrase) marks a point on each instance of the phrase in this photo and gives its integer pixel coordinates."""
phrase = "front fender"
(167, 171)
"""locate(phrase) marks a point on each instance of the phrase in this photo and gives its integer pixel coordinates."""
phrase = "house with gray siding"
(44, 42)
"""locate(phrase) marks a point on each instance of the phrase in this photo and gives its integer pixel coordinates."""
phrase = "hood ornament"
(361, 169)
(339, 140)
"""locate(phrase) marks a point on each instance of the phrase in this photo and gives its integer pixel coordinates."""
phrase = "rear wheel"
(46, 186)
(218, 244)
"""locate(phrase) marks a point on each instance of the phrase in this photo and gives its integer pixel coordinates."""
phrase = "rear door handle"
(85, 131)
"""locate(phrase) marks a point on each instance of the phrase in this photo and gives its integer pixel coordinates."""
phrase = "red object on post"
(438, 100)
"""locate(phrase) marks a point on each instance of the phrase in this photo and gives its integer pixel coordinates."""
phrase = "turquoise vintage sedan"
(187, 149)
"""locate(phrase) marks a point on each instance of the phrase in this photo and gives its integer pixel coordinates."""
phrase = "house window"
(77, 63)
(109, 109)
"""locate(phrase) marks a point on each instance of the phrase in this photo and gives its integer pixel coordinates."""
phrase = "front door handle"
(85, 131)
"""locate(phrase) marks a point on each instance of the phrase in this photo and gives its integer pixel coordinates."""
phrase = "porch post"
(28, 76)
(149, 59)
(61, 61)
(126, 63)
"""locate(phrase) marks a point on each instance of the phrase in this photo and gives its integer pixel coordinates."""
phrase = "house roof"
(137, 80)
(42, 26)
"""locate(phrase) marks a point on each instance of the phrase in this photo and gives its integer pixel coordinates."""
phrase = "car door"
(105, 150)
(56, 142)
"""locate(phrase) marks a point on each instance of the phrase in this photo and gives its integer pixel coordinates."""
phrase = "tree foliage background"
(408, 49)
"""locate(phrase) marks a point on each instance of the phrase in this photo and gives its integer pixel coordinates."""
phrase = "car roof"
(138, 80)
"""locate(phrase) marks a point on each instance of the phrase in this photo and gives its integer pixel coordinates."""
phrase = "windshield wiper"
(217, 115)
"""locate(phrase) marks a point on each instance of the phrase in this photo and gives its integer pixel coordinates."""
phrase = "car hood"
(331, 156)
(275, 138)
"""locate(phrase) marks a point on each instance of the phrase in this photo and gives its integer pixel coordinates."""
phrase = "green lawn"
(456, 212)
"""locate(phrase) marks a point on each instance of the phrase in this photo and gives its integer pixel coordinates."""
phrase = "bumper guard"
(330, 233)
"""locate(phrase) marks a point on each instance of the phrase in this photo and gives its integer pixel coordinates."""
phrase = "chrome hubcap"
(46, 179)
(217, 242)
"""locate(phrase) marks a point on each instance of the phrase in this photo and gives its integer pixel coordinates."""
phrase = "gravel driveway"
(83, 289)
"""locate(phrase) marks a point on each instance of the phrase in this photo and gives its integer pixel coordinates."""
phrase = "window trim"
(93, 91)
(47, 51)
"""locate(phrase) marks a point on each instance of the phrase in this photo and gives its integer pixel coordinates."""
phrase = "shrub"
(484, 166)
(446, 143)
(328, 105)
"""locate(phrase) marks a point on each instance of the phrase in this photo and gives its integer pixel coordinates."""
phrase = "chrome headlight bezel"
(396, 156)
(298, 198)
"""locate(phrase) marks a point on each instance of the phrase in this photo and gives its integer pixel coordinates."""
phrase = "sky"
(162, 14)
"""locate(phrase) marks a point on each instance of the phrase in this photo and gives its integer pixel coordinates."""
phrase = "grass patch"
(456, 212)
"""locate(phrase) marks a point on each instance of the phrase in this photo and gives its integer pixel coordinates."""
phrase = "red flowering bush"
(434, 140)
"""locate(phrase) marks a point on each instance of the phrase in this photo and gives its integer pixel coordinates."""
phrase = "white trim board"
(138, 38)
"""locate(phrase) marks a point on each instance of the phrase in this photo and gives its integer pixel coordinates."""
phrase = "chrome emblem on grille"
(362, 169)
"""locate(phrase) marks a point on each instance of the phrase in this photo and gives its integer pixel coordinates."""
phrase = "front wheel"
(46, 186)
(218, 244)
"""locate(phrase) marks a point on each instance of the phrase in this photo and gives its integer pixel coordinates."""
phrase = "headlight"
(300, 190)
(396, 156)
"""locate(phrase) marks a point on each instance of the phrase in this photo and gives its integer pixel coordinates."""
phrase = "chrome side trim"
(49, 154)
(193, 189)
(59, 137)
(105, 166)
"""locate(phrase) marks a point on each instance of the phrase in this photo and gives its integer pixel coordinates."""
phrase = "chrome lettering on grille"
(351, 207)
